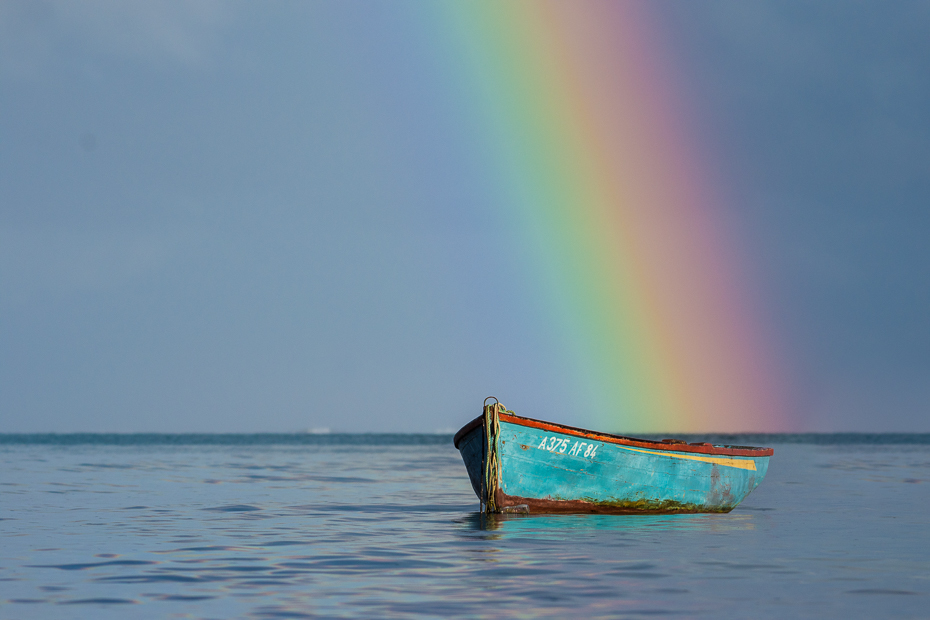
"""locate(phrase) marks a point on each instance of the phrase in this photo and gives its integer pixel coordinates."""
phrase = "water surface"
(299, 526)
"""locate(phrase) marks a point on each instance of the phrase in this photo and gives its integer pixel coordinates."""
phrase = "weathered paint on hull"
(551, 472)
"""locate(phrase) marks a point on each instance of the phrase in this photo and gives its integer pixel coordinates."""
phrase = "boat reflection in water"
(555, 526)
(520, 465)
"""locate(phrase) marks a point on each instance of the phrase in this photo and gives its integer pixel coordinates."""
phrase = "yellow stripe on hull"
(716, 460)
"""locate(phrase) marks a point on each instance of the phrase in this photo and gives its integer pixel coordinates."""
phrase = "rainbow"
(580, 125)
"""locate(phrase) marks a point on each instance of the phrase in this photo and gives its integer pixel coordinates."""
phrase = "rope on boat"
(492, 465)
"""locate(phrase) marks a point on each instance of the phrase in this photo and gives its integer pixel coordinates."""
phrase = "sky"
(235, 217)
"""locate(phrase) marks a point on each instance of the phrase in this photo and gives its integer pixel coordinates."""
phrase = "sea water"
(386, 526)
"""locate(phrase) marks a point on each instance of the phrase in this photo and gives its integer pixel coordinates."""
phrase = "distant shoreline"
(438, 438)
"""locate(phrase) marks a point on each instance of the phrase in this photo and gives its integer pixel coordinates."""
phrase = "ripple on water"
(99, 601)
(234, 508)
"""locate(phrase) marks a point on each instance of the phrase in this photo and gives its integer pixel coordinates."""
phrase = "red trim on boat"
(618, 439)
(535, 505)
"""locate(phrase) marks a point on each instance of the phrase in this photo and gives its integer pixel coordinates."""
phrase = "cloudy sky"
(244, 217)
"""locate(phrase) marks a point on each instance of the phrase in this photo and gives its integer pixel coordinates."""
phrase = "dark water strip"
(406, 439)
(226, 439)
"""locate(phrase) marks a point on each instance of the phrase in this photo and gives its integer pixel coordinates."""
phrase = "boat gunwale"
(615, 439)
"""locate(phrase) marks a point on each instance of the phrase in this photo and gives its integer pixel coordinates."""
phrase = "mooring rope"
(492, 465)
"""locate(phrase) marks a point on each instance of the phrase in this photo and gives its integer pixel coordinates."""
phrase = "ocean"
(387, 526)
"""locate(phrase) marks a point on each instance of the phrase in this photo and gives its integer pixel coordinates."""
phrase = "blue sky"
(242, 217)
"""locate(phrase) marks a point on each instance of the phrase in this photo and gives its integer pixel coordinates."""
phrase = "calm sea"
(383, 526)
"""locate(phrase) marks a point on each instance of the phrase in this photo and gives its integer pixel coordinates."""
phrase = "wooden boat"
(519, 464)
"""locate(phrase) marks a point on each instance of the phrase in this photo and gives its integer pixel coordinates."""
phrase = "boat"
(523, 465)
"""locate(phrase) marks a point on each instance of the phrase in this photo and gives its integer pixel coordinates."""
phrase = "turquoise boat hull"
(551, 468)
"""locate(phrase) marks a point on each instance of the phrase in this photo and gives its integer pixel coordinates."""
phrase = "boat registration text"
(551, 443)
